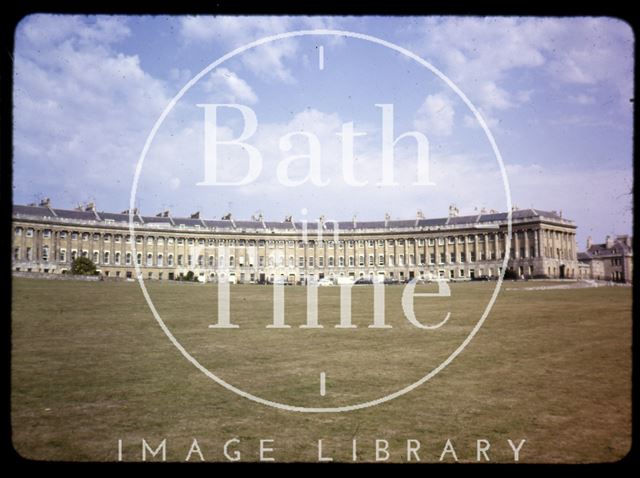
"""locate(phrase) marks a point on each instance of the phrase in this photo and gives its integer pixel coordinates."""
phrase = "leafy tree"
(83, 266)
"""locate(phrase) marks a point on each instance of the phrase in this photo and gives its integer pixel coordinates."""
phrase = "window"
(16, 254)
(460, 239)
(63, 234)
(45, 253)
(300, 261)
(117, 259)
(74, 236)
(170, 241)
(432, 258)
(180, 241)
(370, 242)
(351, 244)
(18, 231)
(149, 259)
(85, 253)
(452, 257)
(107, 237)
(127, 239)
(451, 240)
(291, 261)
(29, 254)
(310, 261)
(127, 259)
(117, 238)
(391, 260)
(170, 260)
(261, 261)
(160, 241)
(29, 232)
(442, 258)
(431, 241)
(401, 260)
(138, 239)
(74, 254)
(200, 260)
(361, 260)
(160, 260)
(421, 242)
(63, 255)
(422, 259)
(46, 233)
(96, 236)
(330, 261)
(372, 260)
(341, 261)
(352, 261)
(381, 260)
(412, 260)
(232, 261)
(189, 260)
(461, 272)
(472, 256)
(96, 257)
(391, 242)
(105, 257)
(201, 242)
(441, 241)
(212, 261)
(321, 261)
(381, 242)
(190, 241)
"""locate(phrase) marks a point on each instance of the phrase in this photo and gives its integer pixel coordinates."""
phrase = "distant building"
(47, 239)
(611, 260)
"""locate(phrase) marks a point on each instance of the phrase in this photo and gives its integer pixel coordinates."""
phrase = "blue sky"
(555, 92)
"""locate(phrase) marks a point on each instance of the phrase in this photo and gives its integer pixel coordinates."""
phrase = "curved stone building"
(47, 239)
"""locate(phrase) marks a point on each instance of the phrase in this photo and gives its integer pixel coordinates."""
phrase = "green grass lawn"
(90, 366)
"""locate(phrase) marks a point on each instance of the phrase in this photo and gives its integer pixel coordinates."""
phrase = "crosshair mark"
(321, 57)
(323, 390)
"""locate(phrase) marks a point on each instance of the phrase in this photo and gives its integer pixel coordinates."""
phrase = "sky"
(555, 93)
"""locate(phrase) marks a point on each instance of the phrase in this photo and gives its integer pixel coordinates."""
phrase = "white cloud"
(80, 106)
(435, 116)
(228, 86)
(267, 60)
(482, 54)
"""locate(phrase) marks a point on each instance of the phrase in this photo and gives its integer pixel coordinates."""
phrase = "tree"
(83, 266)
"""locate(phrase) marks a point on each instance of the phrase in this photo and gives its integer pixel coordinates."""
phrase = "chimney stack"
(609, 242)
(195, 215)
(46, 202)
(589, 243)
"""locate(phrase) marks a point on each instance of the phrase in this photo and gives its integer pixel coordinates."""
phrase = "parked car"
(363, 280)
(325, 282)
(481, 278)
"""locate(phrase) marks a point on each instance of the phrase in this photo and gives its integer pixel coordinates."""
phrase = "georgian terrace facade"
(46, 240)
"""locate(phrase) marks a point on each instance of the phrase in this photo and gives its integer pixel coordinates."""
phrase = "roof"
(78, 215)
(227, 224)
